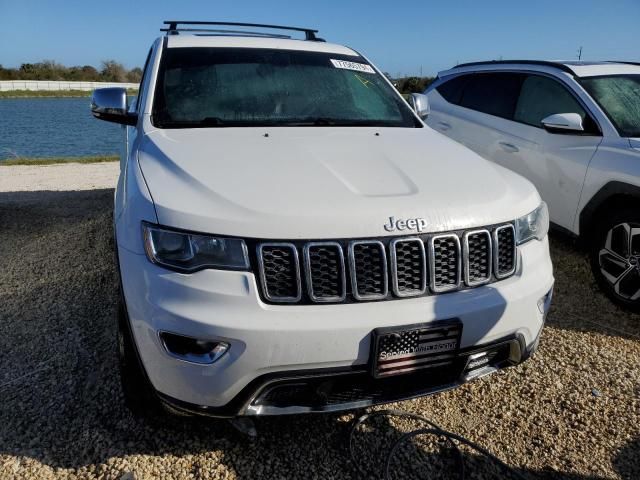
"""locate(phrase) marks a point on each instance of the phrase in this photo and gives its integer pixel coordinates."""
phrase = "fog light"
(191, 349)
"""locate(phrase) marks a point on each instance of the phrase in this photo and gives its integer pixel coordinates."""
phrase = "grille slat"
(280, 272)
(445, 263)
(368, 262)
(324, 263)
(477, 255)
(409, 267)
(504, 251)
(454, 261)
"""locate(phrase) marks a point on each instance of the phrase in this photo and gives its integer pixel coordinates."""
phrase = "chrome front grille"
(364, 270)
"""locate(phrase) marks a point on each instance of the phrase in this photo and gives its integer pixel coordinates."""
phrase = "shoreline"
(52, 93)
(10, 162)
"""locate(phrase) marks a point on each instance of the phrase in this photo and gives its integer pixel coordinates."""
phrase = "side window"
(542, 96)
(451, 90)
(492, 93)
(145, 72)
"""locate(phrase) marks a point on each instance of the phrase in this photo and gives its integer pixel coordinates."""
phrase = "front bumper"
(332, 390)
(320, 348)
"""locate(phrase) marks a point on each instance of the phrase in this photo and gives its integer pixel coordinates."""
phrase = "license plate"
(397, 351)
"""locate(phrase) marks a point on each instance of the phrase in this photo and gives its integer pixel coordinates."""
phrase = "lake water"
(54, 127)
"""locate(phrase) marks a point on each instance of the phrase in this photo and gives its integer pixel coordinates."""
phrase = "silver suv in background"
(573, 129)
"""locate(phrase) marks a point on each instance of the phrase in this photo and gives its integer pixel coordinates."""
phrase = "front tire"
(138, 392)
(615, 257)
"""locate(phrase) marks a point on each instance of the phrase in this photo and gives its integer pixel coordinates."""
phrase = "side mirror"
(110, 104)
(420, 104)
(563, 123)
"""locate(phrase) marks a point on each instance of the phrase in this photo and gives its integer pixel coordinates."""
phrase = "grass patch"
(53, 93)
(54, 160)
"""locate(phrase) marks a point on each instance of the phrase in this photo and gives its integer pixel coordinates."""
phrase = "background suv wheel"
(615, 257)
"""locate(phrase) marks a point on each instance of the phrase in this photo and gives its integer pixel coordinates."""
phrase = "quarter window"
(451, 90)
(542, 96)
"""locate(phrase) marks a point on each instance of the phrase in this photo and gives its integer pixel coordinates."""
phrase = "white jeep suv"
(573, 129)
(292, 238)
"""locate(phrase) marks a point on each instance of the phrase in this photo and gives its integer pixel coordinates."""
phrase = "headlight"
(534, 225)
(189, 252)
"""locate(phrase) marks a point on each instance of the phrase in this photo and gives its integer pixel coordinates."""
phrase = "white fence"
(8, 85)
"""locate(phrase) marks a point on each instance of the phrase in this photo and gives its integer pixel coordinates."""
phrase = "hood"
(324, 182)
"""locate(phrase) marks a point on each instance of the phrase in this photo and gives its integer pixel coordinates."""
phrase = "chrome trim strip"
(465, 257)
(307, 268)
(394, 267)
(352, 265)
(254, 410)
(496, 271)
(432, 268)
(263, 279)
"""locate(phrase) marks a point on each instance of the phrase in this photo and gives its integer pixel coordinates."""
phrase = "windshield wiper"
(333, 122)
(311, 121)
(204, 122)
(210, 122)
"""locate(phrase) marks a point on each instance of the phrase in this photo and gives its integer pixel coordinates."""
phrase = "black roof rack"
(546, 63)
(173, 28)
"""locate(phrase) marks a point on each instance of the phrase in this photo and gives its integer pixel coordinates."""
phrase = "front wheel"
(138, 392)
(615, 258)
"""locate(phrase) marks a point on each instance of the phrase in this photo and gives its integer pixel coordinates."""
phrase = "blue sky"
(400, 38)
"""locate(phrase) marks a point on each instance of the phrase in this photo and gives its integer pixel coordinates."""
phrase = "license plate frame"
(440, 351)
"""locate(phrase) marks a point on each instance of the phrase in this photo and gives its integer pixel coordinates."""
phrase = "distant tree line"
(110, 71)
(412, 84)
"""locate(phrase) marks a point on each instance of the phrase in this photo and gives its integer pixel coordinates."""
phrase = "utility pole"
(580, 53)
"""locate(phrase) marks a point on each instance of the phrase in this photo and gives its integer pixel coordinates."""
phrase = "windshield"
(220, 87)
(619, 97)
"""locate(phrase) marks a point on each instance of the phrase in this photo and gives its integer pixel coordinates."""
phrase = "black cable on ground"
(432, 429)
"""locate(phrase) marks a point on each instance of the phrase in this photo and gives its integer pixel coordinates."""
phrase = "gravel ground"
(58, 177)
(572, 412)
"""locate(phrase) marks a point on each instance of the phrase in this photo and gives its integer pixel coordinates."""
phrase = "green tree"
(411, 85)
(134, 75)
(113, 71)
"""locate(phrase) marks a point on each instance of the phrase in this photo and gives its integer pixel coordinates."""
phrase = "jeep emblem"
(410, 224)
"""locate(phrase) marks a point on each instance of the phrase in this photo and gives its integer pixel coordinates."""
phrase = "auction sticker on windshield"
(358, 67)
